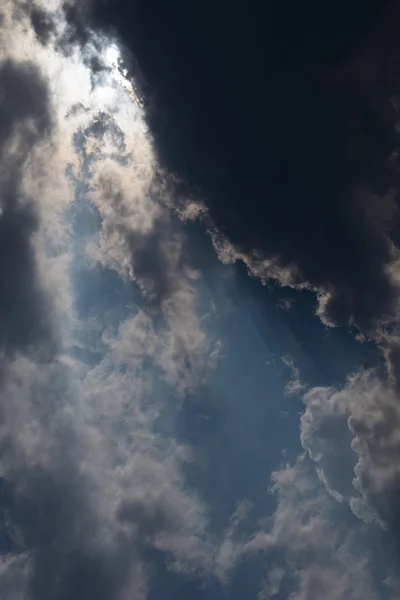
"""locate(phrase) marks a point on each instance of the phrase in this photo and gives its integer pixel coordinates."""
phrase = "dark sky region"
(280, 115)
(199, 300)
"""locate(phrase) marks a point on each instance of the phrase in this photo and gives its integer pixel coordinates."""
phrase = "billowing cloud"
(352, 435)
(324, 560)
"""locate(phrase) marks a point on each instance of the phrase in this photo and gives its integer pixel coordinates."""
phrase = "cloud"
(147, 244)
(25, 121)
(88, 485)
(324, 559)
(95, 487)
(289, 136)
(294, 386)
(273, 583)
(90, 489)
(352, 435)
(30, 336)
(42, 23)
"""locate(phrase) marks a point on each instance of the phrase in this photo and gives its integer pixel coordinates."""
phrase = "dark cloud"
(54, 523)
(48, 512)
(76, 29)
(24, 97)
(42, 23)
(280, 115)
(25, 121)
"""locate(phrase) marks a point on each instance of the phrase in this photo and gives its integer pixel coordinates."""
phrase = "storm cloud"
(285, 130)
(25, 120)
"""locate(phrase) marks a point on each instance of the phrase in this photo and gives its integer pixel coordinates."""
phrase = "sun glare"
(112, 56)
(112, 59)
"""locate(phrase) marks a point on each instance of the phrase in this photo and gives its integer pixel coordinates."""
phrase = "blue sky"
(242, 423)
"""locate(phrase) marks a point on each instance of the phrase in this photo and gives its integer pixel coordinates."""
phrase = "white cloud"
(294, 386)
(352, 435)
(324, 559)
(272, 585)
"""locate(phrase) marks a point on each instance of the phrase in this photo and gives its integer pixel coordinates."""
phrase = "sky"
(199, 300)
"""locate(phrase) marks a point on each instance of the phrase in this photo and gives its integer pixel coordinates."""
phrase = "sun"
(112, 56)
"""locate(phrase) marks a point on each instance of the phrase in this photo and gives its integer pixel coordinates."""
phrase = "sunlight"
(112, 56)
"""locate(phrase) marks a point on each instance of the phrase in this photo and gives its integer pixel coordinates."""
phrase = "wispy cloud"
(324, 558)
